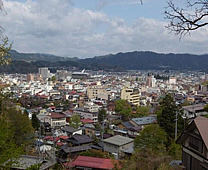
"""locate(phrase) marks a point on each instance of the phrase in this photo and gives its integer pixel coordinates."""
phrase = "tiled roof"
(87, 120)
(76, 149)
(82, 139)
(69, 129)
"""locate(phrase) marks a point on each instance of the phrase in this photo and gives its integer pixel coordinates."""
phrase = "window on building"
(196, 143)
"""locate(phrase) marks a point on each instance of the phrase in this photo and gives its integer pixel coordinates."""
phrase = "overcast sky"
(88, 28)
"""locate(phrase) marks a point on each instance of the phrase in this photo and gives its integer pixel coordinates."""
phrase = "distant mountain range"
(153, 61)
(30, 62)
(38, 57)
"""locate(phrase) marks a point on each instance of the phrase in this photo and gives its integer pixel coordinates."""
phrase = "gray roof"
(77, 149)
(118, 140)
(145, 120)
(69, 129)
(26, 161)
(127, 124)
(194, 108)
(81, 139)
(89, 126)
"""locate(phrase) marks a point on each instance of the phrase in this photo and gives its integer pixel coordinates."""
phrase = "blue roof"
(145, 120)
(127, 124)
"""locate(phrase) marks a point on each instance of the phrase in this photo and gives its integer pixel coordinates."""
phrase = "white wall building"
(44, 72)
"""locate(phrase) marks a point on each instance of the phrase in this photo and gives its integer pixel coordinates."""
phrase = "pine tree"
(35, 122)
(166, 117)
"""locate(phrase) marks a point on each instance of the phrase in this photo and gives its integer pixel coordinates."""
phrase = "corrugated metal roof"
(118, 140)
(92, 162)
(145, 120)
(127, 124)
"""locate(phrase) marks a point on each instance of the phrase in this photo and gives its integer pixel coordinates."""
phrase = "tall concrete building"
(30, 77)
(172, 80)
(97, 91)
(44, 72)
(131, 95)
(150, 81)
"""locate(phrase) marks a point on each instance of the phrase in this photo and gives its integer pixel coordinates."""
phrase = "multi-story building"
(150, 81)
(87, 115)
(30, 77)
(54, 119)
(193, 111)
(131, 95)
(94, 91)
(172, 80)
(80, 75)
(44, 72)
(91, 107)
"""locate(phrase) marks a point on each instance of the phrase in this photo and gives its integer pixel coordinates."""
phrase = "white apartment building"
(44, 72)
(54, 119)
(87, 115)
(91, 107)
(94, 91)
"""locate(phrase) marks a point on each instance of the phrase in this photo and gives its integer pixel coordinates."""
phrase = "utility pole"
(176, 126)
(54, 154)
(38, 144)
(103, 127)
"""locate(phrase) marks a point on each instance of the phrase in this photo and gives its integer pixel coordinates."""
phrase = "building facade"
(194, 143)
(131, 95)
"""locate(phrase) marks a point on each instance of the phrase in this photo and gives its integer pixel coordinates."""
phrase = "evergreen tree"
(166, 117)
(23, 130)
(101, 115)
(35, 122)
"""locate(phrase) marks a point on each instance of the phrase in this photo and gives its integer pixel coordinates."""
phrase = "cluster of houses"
(86, 95)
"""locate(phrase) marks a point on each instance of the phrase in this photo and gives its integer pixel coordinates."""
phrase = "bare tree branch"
(182, 21)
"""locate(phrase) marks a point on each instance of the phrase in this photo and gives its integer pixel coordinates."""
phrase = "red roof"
(87, 120)
(47, 137)
(51, 138)
(56, 115)
(44, 96)
(92, 162)
(81, 94)
(59, 143)
(63, 137)
(72, 92)
(52, 107)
